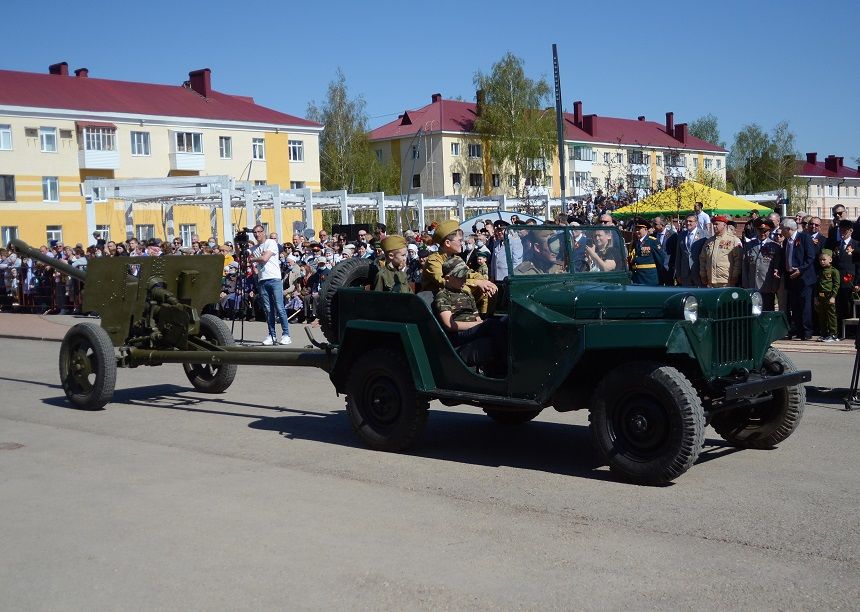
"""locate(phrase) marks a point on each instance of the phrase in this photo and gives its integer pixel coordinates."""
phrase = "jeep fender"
(359, 334)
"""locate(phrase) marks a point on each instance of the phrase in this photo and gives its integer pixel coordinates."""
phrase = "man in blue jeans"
(270, 285)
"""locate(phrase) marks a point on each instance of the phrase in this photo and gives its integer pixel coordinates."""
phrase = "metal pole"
(559, 126)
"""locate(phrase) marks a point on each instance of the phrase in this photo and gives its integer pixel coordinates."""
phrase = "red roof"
(831, 167)
(455, 116)
(108, 96)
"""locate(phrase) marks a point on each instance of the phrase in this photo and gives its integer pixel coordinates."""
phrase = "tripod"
(852, 402)
(240, 298)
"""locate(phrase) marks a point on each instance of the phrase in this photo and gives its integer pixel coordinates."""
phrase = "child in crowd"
(825, 296)
(392, 271)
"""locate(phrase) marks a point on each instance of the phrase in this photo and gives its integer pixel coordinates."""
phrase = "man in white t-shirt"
(265, 257)
(703, 220)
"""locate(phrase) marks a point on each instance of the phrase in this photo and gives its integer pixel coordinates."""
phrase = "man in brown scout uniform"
(392, 271)
(449, 237)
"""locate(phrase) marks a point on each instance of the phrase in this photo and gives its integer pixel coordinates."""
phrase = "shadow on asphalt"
(461, 437)
(34, 382)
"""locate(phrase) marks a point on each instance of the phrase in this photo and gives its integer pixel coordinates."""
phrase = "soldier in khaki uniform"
(482, 344)
(449, 237)
(392, 272)
(546, 254)
(720, 259)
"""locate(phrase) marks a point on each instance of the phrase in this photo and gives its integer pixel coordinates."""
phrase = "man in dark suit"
(846, 259)
(666, 236)
(799, 271)
(688, 246)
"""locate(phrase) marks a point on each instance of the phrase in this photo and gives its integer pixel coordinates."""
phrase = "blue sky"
(754, 61)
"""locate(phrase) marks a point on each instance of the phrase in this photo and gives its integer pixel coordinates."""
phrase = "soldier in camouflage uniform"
(392, 273)
(482, 344)
(825, 296)
(546, 255)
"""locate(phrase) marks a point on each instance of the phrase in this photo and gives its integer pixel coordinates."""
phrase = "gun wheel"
(647, 422)
(87, 366)
(382, 403)
(212, 377)
(765, 425)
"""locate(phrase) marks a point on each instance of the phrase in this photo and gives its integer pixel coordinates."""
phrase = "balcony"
(187, 161)
(98, 160)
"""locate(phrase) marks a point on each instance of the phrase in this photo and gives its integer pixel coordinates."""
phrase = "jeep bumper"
(756, 384)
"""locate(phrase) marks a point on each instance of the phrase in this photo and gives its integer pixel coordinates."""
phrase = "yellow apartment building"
(439, 154)
(57, 130)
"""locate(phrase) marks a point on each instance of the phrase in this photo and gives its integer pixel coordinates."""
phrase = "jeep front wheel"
(647, 422)
(382, 402)
(766, 424)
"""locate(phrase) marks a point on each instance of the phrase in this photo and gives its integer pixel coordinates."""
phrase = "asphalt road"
(262, 498)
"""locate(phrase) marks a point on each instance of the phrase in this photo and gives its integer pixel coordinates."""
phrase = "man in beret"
(646, 256)
(720, 259)
(761, 263)
(482, 344)
(392, 271)
(449, 238)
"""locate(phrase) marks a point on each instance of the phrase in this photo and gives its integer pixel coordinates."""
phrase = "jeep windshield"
(547, 249)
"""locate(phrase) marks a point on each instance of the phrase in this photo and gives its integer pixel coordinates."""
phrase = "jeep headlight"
(691, 308)
(757, 303)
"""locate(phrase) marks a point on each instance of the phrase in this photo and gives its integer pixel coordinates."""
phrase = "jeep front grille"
(733, 331)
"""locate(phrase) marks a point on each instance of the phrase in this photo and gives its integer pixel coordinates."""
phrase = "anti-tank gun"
(151, 314)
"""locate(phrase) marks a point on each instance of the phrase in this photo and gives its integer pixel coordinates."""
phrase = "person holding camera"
(264, 256)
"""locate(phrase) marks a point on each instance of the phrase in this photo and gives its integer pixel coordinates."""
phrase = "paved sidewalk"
(53, 328)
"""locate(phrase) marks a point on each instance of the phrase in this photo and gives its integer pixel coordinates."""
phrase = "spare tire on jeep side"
(348, 273)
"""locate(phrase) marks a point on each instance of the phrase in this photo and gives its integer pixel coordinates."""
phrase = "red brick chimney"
(435, 98)
(681, 133)
(589, 124)
(82, 73)
(811, 158)
(831, 162)
(481, 98)
(641, 117)
(62, 69)
(201, 81)
(577, 113)
(670, 123)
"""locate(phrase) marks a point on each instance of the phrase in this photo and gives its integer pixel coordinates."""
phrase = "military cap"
(640, 222)
(500, 223)
(763, 221)
(455, 267)
(827, 252)
(446, 228)
(392, 243)
(846, 223)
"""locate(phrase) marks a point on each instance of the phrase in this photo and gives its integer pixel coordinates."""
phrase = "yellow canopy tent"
(680, 200)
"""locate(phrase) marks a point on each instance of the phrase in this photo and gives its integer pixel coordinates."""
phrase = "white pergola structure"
(224, 194)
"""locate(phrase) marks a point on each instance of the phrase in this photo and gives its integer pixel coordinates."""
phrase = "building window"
(497, 180)
(619, 158)
(5, 137)
(581, 180)
(297, 150)
(638, 181)
(102, 232)
(225, 147)
(637, 157)
(606, 157)
(416, 181)
(7, 189)
(259, 183)
(379, 155)
(99, 194)
(99, 139)
(297, 184)
(695, 163)
(48, 139)
(474, 150)
(54, 232)
(455, 149)
(675, 160)
(140, 143)
(830, 190)
(189, 142)
(512, 181)
(7, 233)
(708, 163)
(476, 179)
(456, 179)
(719, 163)
(606, 184)
(548, 181)
(144, 232)
(416, 152)
(186, 230)
(583, 153)
(258, 148)
(818, 190)
(50, 189)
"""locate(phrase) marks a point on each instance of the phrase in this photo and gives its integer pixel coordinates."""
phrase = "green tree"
(707, 129)
(346, 160)
(761, 161)
(519, 133)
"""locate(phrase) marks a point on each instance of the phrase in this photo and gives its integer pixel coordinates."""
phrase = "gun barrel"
(25, 249)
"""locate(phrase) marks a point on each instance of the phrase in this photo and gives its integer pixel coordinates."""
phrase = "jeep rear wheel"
(766, 424)
(647, 422)
(382, 403)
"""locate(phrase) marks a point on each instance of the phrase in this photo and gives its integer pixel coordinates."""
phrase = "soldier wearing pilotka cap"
(392, 271)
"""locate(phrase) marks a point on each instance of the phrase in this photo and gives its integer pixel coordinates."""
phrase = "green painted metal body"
(560, 326)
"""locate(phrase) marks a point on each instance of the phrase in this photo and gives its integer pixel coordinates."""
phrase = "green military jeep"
(653, 365)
